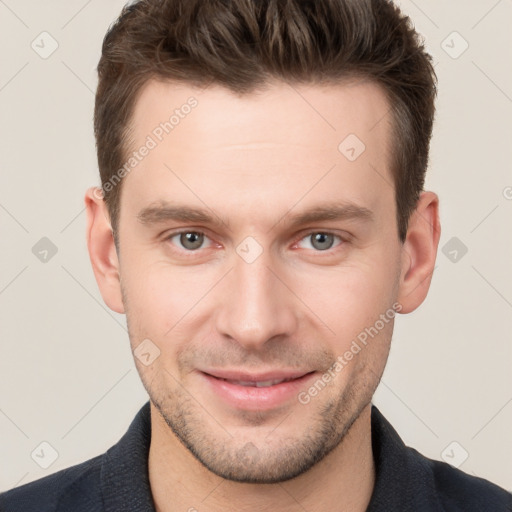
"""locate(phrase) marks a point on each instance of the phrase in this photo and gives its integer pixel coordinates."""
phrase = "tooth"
(259, 384)
(265, 383)
(244, 383)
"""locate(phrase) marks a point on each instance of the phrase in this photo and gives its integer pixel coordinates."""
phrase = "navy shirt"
(118, 481)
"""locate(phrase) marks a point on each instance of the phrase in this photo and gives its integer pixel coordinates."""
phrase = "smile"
(250, 392)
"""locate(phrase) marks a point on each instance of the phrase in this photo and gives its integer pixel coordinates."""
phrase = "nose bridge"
(256, 306)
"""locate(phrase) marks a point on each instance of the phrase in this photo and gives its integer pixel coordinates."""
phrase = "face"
(256, 248)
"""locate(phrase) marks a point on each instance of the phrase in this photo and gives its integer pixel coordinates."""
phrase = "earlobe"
(419, 252)
(102, 250)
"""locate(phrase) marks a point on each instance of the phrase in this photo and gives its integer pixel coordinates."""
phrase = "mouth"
(264, 391)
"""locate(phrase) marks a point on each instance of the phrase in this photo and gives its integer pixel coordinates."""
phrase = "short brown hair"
(243, 44)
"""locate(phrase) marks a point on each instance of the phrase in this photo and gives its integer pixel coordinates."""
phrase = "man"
(261, 222)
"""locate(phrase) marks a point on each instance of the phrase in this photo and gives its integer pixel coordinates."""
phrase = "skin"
(255, 161)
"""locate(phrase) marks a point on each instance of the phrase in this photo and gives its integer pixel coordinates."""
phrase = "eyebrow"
(165, 212)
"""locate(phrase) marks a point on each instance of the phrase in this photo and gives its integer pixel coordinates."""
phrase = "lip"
(251, 398)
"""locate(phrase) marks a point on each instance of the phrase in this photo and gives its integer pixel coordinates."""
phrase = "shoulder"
(408, 480)
(115, 480)
(47, 493)
(458, 491)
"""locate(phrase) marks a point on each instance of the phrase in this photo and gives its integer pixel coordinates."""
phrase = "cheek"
(162, 298)
(348, 298)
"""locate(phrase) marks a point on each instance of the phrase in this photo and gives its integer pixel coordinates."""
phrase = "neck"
(342, 481)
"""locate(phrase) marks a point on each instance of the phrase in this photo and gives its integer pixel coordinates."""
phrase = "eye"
(320, 240)
(189, 240)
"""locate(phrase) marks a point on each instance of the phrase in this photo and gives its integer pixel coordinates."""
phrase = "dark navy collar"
(399, 469)
(124, 472)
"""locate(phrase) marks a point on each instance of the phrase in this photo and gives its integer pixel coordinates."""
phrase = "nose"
(256, 305)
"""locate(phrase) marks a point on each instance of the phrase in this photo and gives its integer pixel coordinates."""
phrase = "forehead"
(272, 113)
(274, 144)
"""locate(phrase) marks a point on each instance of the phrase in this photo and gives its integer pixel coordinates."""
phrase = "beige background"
(67, 376)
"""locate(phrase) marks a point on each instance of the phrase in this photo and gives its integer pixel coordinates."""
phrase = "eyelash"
(341, 239)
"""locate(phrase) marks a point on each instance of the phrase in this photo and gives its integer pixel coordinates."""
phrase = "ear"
(419, 252)
(102, 250)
